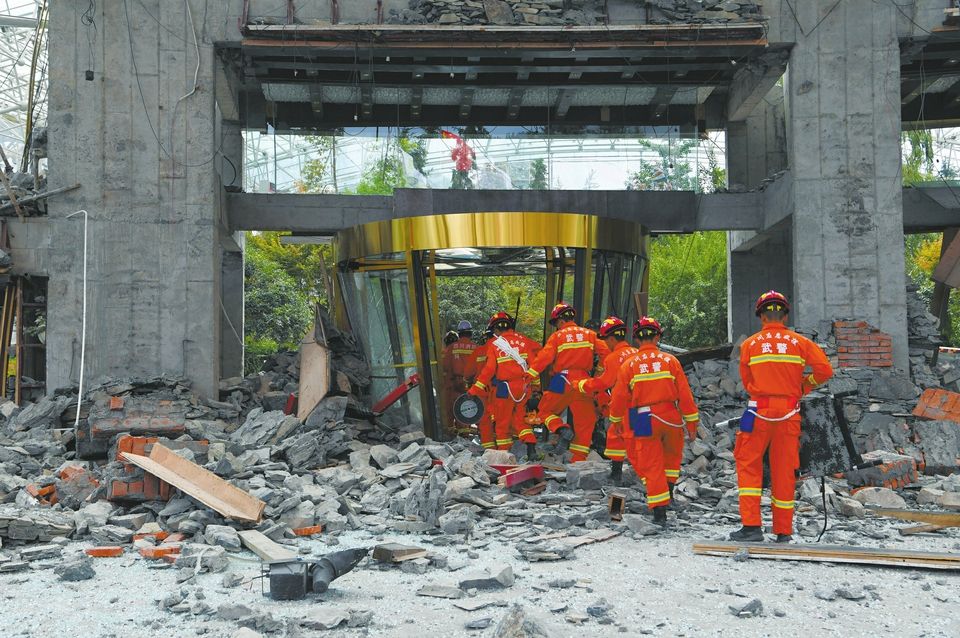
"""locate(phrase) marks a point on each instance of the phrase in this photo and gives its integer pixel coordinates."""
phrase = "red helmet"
(502, 319)
(562, 310)
(644, 325)
(772, 300)
(612, 326)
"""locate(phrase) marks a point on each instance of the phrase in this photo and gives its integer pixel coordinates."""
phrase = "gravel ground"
(652, 586)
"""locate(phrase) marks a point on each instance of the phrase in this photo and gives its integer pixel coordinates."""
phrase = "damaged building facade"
(150, 128)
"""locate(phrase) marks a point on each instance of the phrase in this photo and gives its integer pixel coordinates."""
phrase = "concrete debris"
(880, 497)
(518, 624)
(75, 570)
(748, 610)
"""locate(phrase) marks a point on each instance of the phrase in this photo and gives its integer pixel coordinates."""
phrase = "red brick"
(156, 553)
(308, 531)
(111, 551)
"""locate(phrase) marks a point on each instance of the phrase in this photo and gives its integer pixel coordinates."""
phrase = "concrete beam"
(661, 212)
(752, 82)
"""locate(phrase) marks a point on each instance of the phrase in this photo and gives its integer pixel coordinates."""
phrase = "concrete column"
(141, 143)
(843, 139)
(231, 314)
(756, 149)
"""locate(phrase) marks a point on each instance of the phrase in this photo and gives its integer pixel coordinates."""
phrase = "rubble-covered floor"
(648, 586)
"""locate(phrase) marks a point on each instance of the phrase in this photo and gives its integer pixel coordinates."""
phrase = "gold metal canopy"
(485, 230)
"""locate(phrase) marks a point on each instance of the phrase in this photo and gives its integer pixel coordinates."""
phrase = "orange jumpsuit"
(616, 448)
(654, 380)
(485, 425)
(510, 391)
(772, 366)
(570, 351)
(460, 355)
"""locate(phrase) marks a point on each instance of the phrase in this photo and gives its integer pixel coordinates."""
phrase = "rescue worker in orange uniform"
(570, 351)
(485, 426)
(507, 356)
(613, 331)
(772, 368)
(448, 393)
(653, 402)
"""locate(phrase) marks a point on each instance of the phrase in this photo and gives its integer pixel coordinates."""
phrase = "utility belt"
(764, 403)
(641, 419)
(560, 382)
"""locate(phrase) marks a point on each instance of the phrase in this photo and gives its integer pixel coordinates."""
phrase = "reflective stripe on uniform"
(614, 454)
(504, 441)
(672, 473)
(751, 491)
(550, 418)
(650, 376)
(579, 448)
(581, 383)
(462, 351)
(526, 432)
(691, 417)
(616, 419)
(777, 358)
(574, 344)
(784, 505)
(477, 384)
(812, 380)
(502, 359)
(488, 445)
(655, 499)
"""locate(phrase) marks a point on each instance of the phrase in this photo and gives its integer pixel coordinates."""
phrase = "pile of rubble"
(28, 188)
(567, 12)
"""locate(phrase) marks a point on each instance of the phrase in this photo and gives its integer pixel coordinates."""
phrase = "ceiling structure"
(18, 36)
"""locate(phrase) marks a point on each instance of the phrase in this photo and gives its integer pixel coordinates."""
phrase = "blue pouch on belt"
(503, 390)
(558, 383)
(746, 421)
(641, 421)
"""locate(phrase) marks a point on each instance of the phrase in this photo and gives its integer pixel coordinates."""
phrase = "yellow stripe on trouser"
(654, 499)
(784, 505)
(751, 491)
(672, 473)
(614, 454)
(579, 448)
(489, 445)
(504, 441)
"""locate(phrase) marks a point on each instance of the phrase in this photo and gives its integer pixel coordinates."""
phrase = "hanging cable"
(83, 315)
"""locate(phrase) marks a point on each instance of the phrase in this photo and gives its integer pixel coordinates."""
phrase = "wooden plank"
(595, 536)
(397, 553)
(941, 519)
(920, 529)
(314, 375)
(203, 485)
(833, 554)
(266, 549)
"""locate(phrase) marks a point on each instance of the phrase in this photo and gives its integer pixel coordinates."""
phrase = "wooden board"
(203, 485)
(397, 553)
(920, 529)
(833, 554)
(941, 519)
(263, 547)
(315, 375)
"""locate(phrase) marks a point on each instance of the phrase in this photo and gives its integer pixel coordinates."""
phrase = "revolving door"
(401, 283)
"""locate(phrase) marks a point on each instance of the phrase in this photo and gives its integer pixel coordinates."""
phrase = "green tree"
(538, 175)
(918, 161)
(277, 312)
(305, 263)
(688, 292)
(320, 170)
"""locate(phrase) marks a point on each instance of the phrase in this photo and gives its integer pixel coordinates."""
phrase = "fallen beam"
(940, 519)
(833, 554)
(201, 484)
(920, 529)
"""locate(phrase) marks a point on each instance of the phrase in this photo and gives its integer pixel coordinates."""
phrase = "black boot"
(748, 534)
(531, 452)
(784, 538)
(660, 516)
(670, 486)
(616, 472)
(565, 436)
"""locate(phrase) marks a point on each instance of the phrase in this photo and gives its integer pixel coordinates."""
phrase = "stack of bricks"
(938, 404)
(860, 345)
(895, 471)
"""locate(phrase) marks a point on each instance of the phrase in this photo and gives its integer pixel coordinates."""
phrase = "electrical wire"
(143, 101)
